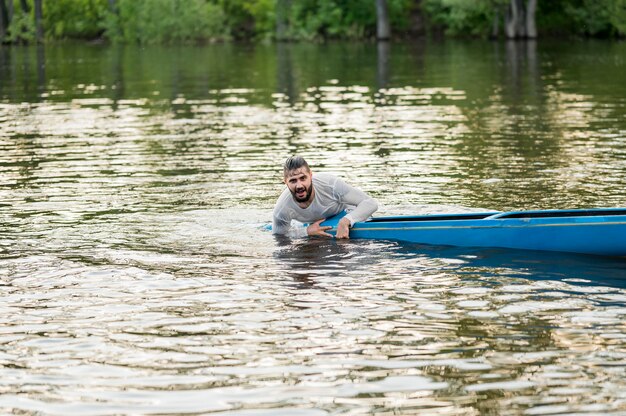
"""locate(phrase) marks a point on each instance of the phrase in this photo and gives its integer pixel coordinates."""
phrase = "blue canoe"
(588, 231)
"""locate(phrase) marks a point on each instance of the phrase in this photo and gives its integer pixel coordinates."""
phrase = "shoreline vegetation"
(205, 21)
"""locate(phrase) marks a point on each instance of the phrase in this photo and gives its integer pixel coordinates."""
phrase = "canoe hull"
(588, 234)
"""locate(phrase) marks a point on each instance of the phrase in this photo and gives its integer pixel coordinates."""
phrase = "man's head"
(298, 178)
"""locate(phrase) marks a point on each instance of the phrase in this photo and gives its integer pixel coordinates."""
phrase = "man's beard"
(306, 197)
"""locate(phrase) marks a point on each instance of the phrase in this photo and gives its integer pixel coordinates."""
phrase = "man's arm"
(283, 228)
(365, 206)
(280, 226)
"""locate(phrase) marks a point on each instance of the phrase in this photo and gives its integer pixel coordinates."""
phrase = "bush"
(247, 19)
(74, 18)
(309, 19)
(462, 17)
(598, 17)
(176, 21)
(165, 21)
(583, 17)
(21, 29)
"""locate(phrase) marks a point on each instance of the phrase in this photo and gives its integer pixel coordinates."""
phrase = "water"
(136, 279)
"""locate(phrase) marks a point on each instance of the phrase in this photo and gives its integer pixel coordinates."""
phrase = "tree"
(4, 19)
(416, 16)
(282, 19)
(383, 29)
(531, 25)
(520, 19)
(38, 18)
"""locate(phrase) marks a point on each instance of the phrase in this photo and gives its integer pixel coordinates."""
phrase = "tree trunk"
(282, 19)
(118, 89)
(521, 20)
(417, 25)
(382, 68)
(383, 31)
(286, 81)
(11, 9)
(25, 7)
(510, 22)
(41, 69)
(4, 19)
(531, 26)
(495, 25)
(38, 19)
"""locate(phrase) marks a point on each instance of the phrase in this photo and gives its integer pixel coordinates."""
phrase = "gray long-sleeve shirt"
(332, 196)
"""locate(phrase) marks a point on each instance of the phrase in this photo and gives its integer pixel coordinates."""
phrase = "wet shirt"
(332, 196)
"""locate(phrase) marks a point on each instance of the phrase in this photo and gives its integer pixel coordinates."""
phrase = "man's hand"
(316, 230)
(343, 228)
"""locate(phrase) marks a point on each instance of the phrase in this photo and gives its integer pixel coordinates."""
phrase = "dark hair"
(293, 163)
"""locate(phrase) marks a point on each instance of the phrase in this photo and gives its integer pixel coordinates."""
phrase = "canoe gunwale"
(496, 224)
(513, 215)
(600, 212)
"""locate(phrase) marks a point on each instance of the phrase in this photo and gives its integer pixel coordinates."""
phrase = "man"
(313, 198)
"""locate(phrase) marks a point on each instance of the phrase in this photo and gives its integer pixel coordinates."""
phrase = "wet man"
(313, 198)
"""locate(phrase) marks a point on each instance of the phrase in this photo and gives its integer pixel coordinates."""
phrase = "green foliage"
(74, 18)
(598, 17)
(249, 18)
(310, 19)
(579, 17)
(463, 17)
(583, 17)
(551, 18)
(176, 21)
(618, 16)
(21, 28)
(399, 13)
(264, 14)
(165, 21)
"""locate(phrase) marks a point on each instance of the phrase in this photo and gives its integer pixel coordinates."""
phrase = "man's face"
(300, 183)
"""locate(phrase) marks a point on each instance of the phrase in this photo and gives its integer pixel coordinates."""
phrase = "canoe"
(599, 231)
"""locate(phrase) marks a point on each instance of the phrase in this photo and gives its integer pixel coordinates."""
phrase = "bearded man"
(313, 198)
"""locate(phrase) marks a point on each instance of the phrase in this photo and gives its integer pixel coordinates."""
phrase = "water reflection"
(285, 73)
(41, 69)
(572, 269)
(134, 181)
(117, 82)
(523, 75)
(310, 260)
(382, 68)
(438, 327)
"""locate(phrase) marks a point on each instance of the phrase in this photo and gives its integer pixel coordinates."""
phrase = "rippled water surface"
(136, 277)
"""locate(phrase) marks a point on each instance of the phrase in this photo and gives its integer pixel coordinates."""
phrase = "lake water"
(136, 278)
